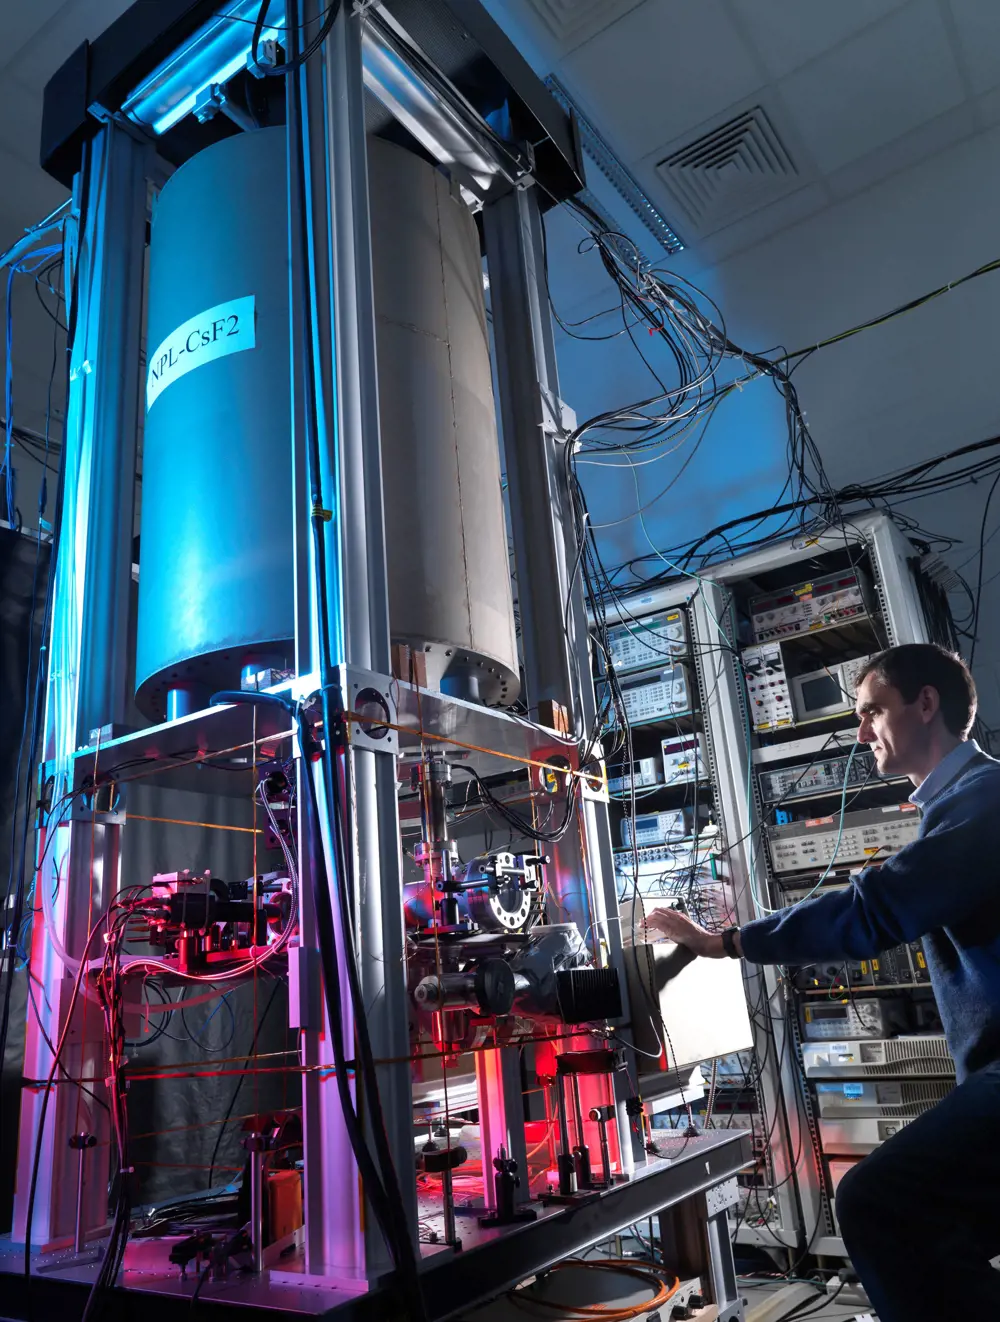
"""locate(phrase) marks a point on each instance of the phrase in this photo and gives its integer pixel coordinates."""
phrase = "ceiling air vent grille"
(574, 21)
(731, 170)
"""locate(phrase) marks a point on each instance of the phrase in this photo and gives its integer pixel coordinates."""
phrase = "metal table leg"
(694, 1239)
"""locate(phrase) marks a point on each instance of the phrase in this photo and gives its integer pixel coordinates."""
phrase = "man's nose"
(864, 732)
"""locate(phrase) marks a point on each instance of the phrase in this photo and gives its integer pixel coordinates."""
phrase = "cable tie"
(318, 512)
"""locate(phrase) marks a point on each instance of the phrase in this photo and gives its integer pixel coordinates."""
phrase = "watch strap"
(729, 942)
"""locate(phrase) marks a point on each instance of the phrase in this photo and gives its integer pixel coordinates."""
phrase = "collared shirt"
(950, 766)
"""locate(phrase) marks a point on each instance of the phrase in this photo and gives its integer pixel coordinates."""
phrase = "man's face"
(898, 732)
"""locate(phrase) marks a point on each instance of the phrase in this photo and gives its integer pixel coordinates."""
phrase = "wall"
(889, 397)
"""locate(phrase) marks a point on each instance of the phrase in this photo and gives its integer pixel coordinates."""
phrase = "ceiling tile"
(640, 84)
(760, 224)
(978, 26)
(788, 33)
(28, 193)
(572, 22)
(58, 38)
(988, 108)
(20, 120)
(881, 84)
(936, 135)
(22, 20)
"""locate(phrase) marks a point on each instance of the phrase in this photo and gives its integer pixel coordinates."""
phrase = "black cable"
(979, 575)
(298, 59)
(514, 820)
(798, 1312)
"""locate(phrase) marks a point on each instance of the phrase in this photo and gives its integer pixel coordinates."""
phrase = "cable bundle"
(663, 1285)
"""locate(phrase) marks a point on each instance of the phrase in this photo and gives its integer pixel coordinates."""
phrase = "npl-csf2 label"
(226, 328)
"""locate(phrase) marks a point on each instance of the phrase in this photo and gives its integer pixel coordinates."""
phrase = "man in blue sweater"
(921, 1215)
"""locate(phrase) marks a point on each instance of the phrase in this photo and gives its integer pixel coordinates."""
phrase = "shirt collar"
(950, 766)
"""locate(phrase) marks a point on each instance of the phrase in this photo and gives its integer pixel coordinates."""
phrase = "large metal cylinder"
(215, 581)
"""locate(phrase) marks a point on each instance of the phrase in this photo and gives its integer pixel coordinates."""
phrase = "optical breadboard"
(908, 1056)
(683, 758)
(821, 603)
(882, 1100)
(867, 836)
(646, 772)
(824, 776)
(652, 641)
(657, 695)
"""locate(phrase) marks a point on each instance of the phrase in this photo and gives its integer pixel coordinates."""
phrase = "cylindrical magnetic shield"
(216, 554)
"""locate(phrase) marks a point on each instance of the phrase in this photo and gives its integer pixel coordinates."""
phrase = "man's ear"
(928, 703)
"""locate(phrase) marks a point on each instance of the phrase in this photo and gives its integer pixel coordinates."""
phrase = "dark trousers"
(921, 1215)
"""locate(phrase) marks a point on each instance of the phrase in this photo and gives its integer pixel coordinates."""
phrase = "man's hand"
(677, 926)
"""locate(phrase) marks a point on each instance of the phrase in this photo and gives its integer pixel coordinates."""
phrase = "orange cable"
(178, 821)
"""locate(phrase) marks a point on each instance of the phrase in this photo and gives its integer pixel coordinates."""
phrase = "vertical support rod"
(448, 1207)
(87, 687)
(332, 1196)
(550, 591)
(343, 350)
(257, 1204)
(80, 1230)
(376, 837)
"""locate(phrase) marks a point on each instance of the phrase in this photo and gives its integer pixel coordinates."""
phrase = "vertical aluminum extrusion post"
(334, 191)
(796, 1180)
(87, 685)
(549, 585)
(501, 1118)
(553, 625)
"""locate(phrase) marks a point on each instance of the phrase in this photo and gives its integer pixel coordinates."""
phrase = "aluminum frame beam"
(335, 327)
(87, 685)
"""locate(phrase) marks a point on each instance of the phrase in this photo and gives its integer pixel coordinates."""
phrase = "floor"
(591, 1290)
(833, 1312)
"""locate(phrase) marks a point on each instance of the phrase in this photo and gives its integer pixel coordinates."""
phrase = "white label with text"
(226, 328)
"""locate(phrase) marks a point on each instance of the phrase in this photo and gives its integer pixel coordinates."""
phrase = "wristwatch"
(729, 942)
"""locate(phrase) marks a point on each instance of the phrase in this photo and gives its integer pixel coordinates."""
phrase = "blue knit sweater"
(945, 888)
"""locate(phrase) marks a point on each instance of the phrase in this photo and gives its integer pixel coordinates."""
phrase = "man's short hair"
(914, 666)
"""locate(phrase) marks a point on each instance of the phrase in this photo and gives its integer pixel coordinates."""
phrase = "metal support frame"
(333, 336)
(889, 551)
(725, 723)
(338, 332)
(87, 677)
(705, 605)
(799, 1194)
(550, 601)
